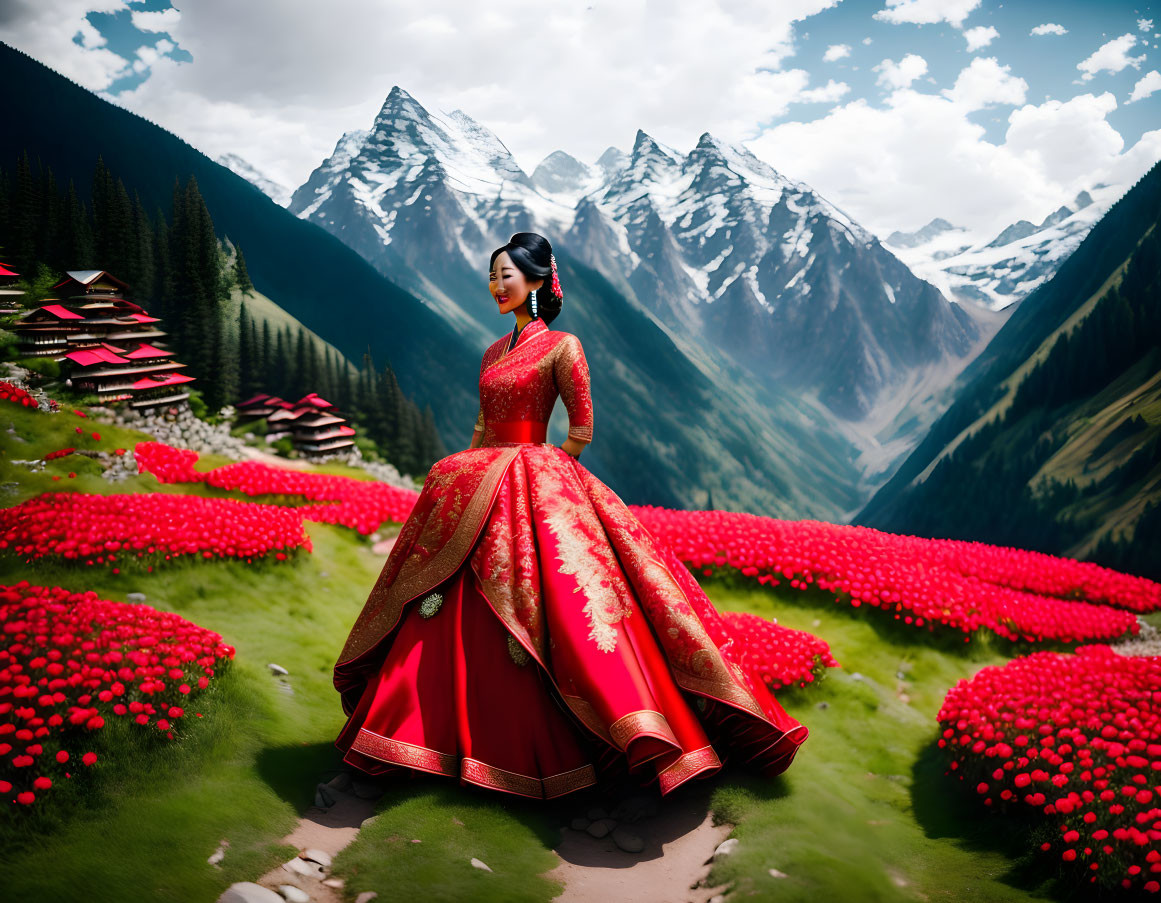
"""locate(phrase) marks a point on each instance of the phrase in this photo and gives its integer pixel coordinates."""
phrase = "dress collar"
(531, 329)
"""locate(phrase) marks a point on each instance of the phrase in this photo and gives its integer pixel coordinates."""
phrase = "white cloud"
(1049, 28)
(985, 82)
(980, 36)
(161, 20)
(920, 156)
(1148, 84)
(44, 29)
(836, 52)
(1144, 24)
(894, 75)
(927, 12)
(1111, 56)
(867, 40)
(282, 82)
(828, 93)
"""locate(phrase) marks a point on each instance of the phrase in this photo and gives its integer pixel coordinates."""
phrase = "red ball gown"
(528, 634)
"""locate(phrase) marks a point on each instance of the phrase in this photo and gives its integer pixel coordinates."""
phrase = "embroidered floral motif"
(431, 604)
(518, 653)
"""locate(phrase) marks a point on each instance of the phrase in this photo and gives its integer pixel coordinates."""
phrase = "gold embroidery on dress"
(518, 653)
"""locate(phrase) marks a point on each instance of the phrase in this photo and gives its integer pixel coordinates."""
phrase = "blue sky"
(896, 110)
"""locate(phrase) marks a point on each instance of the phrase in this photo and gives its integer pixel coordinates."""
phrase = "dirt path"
(679, 841)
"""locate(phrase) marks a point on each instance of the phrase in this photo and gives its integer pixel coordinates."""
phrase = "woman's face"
(508, 285)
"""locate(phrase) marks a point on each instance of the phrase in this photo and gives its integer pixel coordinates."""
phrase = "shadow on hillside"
(293, 772)
(945, 809)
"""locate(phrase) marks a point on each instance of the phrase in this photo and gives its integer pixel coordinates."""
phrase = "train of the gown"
(615, 622)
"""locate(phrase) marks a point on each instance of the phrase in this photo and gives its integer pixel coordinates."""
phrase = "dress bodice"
(520, 386)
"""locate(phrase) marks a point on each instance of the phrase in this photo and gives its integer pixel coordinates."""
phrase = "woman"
(527, 634)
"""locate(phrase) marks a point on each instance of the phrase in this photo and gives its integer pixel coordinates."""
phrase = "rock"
(725, 848)
(579, 823)
(248, 892)
(366, 896)
(135, 597)
(293, 894)
(336, 883)
(718, 898)
(456, 821)
(774, 873)
(325, 796)
(601, 828)
(322, 857)
(476, 864)
(277, 669)
(635, 808)
(217, 856)
(367, 822)
(342, 782)
(298, 866)
(823, 705)
(597, 813)
(855, 675)
(627, 840)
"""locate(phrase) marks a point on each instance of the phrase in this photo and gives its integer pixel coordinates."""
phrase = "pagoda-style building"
(312, 422)
(112, 346)
(10, 295)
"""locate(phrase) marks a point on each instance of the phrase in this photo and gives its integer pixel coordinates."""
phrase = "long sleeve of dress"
(571, 372)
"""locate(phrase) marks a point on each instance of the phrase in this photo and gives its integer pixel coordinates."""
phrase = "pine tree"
(246, 357)
(241, 276)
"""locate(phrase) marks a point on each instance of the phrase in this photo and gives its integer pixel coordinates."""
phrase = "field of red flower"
(1077, 737)
(70, 661)
(927, 583)
(151, 527)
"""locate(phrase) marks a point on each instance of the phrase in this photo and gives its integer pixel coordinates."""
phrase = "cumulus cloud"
(927, 12)
(980, 36)
(985, 82)
(1112, 56)
(894, 75)
(836, 52)
(160, 20)
(828, 93)
(44, 29)
(920, 156)
(867, 40)
(1144, 24)
(1049, 28)
(1148, 84)
(279, 86)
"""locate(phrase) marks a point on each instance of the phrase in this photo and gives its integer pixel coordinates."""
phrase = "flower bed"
(71, 661)
(775, 655)
(362, 505)
(1077, 737)
(927, 583)
(153, 527)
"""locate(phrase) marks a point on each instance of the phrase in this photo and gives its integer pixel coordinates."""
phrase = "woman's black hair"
(532, 256)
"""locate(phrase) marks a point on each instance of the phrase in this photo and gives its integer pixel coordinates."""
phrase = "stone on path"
(248, 892)
(476, 864)
(367, 822)
(302, 867)
(293, 894)
(277, 669)
(635, 808)
(580, 823)
(725, 848)
(601, 828)
(135, 597)
(366, 896)
(322, 857)
(336, 883)
(774, 873)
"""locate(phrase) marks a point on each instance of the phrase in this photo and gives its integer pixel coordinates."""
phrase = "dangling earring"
(532, 304)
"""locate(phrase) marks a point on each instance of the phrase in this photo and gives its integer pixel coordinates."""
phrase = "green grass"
(864, 813)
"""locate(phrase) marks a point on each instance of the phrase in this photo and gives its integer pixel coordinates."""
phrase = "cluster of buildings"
(113, 348)
(108, 345)
(312, 423)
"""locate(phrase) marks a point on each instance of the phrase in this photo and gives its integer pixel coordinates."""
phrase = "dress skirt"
(565, 648)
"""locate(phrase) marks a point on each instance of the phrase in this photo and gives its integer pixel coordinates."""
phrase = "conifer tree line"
(177, 269)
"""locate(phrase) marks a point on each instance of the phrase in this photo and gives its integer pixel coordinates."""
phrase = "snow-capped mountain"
(278, 193)
(1000, 272)
(735, 260)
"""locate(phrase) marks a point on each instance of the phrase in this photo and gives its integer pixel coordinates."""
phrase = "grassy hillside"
(1053, 443)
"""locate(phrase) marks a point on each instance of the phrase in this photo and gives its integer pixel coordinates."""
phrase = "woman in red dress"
(527, 633)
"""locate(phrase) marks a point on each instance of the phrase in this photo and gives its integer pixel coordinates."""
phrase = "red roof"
(88, 356)
(63, 312)
(313, 398)
(257, 399)
(142, 318)
(147, 350)
(113, 348)
(149, 382)
(4, 271)
(347, 430)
